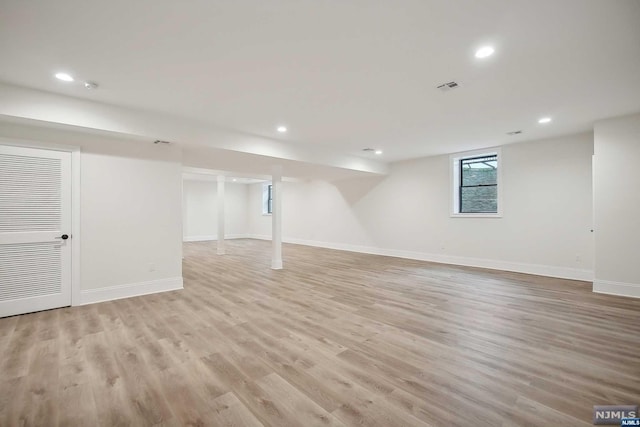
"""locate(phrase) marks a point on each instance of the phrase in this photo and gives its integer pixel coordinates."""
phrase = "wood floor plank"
(189, 405)
(336, 338)
(14, 409)
(228, 411)
(292, 407)
(77, 406)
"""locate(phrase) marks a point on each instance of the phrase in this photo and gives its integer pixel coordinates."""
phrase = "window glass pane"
(479, 199)
(479, 171)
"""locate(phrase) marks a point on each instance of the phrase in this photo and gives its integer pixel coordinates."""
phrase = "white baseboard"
(539, 270)
(91, 296)
(213, 237)
(616, 288)
(259, 236)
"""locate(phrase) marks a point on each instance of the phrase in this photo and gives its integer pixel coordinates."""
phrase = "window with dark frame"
(478, 187)
(269, 198)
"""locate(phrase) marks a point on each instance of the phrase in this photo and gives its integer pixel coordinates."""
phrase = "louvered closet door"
(35, 212)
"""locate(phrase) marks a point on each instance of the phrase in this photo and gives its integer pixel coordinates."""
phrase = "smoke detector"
(91, 85)
(447, 86)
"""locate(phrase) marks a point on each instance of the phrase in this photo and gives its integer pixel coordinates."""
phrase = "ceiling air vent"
(368, 150)
(515, 132)
(159, 141)
(447, 86)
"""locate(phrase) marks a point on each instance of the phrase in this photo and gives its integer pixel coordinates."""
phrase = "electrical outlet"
(152, 267)
(578, 258)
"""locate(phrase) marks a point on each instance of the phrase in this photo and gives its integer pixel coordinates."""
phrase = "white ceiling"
(342, 75)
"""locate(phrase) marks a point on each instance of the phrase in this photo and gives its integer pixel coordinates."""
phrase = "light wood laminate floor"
(336, 338)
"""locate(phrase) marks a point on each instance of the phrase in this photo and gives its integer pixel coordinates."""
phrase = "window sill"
(266, 214)
(476, 215)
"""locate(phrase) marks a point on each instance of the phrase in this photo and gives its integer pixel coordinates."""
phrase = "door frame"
(75, 203)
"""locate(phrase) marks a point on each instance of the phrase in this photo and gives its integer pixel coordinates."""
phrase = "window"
(267, 199)
(479, 185)
(476, 184)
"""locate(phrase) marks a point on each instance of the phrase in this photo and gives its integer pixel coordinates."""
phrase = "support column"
(276, 218)
(220, 196)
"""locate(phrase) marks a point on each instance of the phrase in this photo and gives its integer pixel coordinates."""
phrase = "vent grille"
(447, 86)
(515, 132)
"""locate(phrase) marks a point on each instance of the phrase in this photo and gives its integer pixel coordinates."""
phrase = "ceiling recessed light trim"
(65, 77)
(378, 152)
(282, 129)
(484, 52)
(544, 120)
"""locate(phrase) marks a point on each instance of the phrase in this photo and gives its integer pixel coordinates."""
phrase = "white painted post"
(276, 218)
(220, 196)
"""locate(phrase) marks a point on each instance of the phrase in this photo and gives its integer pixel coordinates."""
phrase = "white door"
(35, 230)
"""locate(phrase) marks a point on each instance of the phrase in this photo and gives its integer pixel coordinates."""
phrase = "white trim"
(220, 199)
(476, 215)
(91, 296)
(75, 203)
(76, 254)
(206, 238)
(518, 267)
(263, 237)
(617, 288)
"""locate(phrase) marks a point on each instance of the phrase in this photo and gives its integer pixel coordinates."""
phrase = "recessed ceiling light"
(544, 120)
(378, 152)
(234, 180)
(484, 51)
(64, 77)
(282, 129)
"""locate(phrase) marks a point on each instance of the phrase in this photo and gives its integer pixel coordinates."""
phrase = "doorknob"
(64, 237)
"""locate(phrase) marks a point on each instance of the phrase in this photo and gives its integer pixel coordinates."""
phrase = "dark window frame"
(270, 198)
(461, 185)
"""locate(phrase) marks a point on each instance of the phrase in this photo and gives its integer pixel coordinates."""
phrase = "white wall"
(617, 205)
(545, 228)
(132, 210)
(130, 215)
(200, 210)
